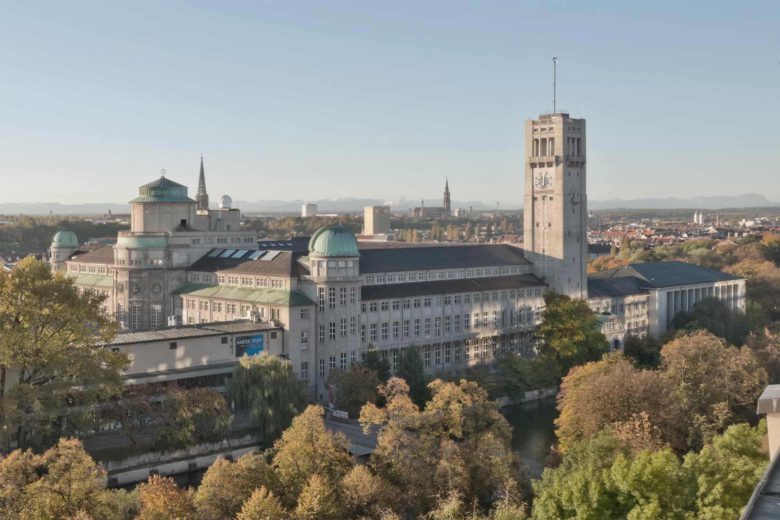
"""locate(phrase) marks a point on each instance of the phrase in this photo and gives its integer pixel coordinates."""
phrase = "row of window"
(449, 274)
(242, 281)
(92, 269)
(455, 299)
(328, 295)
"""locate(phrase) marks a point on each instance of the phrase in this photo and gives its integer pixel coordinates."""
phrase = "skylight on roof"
(270, 256)
(227, 253)
(215, 252)
(240, 253)
(257, 254)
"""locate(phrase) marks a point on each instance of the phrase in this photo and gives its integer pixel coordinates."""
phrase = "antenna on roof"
(162, 172)
(555, 74)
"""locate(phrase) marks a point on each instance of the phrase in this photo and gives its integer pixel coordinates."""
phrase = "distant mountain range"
(749, 200)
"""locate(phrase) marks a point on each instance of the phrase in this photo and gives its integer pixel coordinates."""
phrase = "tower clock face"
(543, 180)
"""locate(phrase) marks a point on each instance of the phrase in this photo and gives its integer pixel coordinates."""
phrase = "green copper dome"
(162, 190)
(65, 239)
(333, 241)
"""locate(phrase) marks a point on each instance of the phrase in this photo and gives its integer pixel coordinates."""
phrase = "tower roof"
(333, 241)
(65, 238)
(162, 190)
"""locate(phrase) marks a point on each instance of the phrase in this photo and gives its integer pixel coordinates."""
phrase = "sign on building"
(249, 345)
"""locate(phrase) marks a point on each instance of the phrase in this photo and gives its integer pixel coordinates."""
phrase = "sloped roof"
(283, 264)
(101, 255)
(615, 287)
(667, 274)
(261, 296)
(403, 290)
(191, 331)
(420, 258)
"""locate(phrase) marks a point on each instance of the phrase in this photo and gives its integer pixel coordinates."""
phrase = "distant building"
(376, 220)
(445, 210)
(309, 210)
(447, 204)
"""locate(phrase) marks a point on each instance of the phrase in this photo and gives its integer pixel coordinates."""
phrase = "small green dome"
(65, 239)
(333, 241)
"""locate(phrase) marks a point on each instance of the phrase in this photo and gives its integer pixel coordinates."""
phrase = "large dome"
(333, 241)
(65, 239)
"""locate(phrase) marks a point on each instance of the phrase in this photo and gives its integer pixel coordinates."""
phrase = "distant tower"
(447, 206)
(202, 197)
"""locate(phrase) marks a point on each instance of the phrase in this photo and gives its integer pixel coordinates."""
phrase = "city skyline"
(298, 101)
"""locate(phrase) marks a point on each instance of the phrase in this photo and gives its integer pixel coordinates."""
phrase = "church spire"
(202, 197)
(447, 207)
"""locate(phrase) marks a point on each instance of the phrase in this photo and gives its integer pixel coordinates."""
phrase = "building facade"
(376, 220)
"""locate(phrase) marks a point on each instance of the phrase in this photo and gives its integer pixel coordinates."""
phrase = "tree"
(318, 501)
(307, 448)
(715, 384)
(460, 433)
(364, 494)
(569, 333)
(162, 499)
(268, 387)
(192, 416)
(599, 478)
(711, 314)
(644, 351)
(227, 485)
(603, 393)
(60, 483)
(410, 369)
(766, 346)
(355, 387)
(262, 505)
(378, 364)
(50, 335)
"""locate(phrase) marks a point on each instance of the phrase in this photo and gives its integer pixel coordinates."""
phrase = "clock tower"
(555, 209)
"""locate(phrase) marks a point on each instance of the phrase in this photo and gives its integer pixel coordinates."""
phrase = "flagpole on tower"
(555, 78)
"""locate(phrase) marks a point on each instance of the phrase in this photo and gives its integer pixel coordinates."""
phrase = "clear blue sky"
(330, 99)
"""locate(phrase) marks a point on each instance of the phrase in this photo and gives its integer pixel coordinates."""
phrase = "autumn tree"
(226, 486)
(268, 388)
(308, 448)
(569, 333)
(318, 500)
(262, 505)
(192, 416)
(459, 443)
(62, 482)
(51, 357)
(162, 499)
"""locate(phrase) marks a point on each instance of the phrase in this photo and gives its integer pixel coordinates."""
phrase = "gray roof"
(101, 255)
(284, 263)
(403, 290)
(428, 257)
(191, 331)
(615, 287)
(667, 274)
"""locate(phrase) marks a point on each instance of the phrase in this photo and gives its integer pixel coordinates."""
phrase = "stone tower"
(202, 197)
(447, 205)
(63, 245)
(555, 209)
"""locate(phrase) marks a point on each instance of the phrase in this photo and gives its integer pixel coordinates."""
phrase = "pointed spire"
(203, 196)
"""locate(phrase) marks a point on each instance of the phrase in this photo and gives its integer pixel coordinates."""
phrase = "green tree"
(644, 351)
(569, 333)
(50, 336)
(268, 387)
(378, 364)
(307, 448)
(410, 369)
(355, 387)
(599, 478)
(192, 416)
(713, 315)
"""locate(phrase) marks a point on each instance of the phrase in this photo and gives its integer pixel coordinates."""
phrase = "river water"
(534, 431)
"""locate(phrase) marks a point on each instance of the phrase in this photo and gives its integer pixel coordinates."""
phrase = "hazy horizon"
(305, 100)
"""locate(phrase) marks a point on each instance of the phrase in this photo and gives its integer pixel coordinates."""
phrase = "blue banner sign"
(249, 345)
